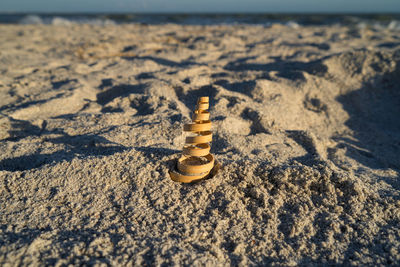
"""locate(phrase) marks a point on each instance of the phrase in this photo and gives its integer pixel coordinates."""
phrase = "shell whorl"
(196, 161)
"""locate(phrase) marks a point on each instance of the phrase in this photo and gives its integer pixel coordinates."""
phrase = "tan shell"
(196, 161)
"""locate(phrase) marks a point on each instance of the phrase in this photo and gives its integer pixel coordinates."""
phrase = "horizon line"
(200, 13)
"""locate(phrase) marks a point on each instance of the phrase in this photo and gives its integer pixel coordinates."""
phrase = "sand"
(306, 124)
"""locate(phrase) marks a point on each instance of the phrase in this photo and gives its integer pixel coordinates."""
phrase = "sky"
(201, 6)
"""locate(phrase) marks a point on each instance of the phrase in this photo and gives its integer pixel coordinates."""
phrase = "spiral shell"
(196, 161)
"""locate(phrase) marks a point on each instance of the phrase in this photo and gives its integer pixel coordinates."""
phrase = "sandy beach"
(306, 126)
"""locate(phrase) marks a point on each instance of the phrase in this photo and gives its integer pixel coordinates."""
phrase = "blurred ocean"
(390, 21)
